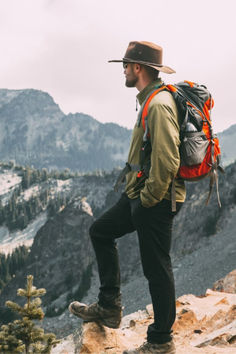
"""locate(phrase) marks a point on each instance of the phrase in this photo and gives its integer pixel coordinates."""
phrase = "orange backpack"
(199, 148)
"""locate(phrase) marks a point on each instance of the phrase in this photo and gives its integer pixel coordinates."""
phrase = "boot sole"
(108, 323)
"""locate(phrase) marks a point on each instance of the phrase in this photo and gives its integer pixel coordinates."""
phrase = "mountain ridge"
(36, 132)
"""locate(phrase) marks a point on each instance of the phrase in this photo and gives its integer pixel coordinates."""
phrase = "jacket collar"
(142, 95)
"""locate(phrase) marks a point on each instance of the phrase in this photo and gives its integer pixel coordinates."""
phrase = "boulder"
(227, 284)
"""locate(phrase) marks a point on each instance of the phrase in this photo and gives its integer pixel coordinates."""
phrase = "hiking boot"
(153, 348)
(110, 317)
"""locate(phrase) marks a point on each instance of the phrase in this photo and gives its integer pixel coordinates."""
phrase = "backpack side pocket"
(193, 148)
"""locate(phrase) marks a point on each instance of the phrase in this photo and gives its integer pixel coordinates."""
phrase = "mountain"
(198, 221)
(55, 264)
(227, 142)
(28, 197)
(34, 131)
(62, 259)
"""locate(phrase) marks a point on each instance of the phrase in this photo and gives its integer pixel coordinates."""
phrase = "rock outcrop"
(205, 324)
(227, 284)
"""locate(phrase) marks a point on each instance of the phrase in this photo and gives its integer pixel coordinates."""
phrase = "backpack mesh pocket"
(193, 148)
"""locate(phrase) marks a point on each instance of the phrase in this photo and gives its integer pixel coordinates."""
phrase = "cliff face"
(60, 259)
(198, 221)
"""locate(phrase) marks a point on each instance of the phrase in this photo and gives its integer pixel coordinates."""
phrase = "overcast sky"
(62, 47)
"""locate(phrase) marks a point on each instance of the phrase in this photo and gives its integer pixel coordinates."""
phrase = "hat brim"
(159, 67)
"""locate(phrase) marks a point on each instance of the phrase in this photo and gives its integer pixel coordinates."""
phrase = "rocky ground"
(194, 273)
(205, 324)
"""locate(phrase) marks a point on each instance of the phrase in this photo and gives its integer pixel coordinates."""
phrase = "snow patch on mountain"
(8, 182)
(62, 186)
(57, 186)
(10, 240)
(31, 192)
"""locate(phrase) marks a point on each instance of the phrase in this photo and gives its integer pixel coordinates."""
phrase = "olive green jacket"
(163, 126)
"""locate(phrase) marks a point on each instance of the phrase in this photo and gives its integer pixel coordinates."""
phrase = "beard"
(131, 78)
(131, 82)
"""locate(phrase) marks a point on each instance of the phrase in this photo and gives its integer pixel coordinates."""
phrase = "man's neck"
(142, 83)
(141, 96)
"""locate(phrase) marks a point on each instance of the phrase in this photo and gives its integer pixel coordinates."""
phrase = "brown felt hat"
(145, 53)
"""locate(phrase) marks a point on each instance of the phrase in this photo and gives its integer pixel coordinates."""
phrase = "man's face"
(130, 75)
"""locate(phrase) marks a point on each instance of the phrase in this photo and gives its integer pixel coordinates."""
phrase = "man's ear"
(137, 68)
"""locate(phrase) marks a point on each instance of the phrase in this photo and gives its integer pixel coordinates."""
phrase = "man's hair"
(152, 73)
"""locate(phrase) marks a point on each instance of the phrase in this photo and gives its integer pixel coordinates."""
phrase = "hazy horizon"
(63, 47)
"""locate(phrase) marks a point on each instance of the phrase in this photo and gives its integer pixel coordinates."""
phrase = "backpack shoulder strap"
(145, 110)
(146, 134)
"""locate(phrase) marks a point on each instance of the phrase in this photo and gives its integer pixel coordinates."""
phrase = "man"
(145, 206)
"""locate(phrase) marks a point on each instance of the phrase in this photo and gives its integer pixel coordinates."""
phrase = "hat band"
(141, 62)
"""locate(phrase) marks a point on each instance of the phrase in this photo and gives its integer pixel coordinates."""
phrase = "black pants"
(154, 228)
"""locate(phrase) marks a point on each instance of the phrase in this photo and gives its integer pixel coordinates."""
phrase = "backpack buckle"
(140, 174)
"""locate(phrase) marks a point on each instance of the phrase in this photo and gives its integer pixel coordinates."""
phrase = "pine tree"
(44, 174)
(12, 263)
(1, 213)
(26, 178)
(23, 336)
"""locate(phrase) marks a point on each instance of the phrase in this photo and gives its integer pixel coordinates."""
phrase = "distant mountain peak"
(34, 131)
(7, 95)
(29, 102)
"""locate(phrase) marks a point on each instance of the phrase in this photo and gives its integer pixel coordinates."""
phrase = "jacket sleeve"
(165, 160)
